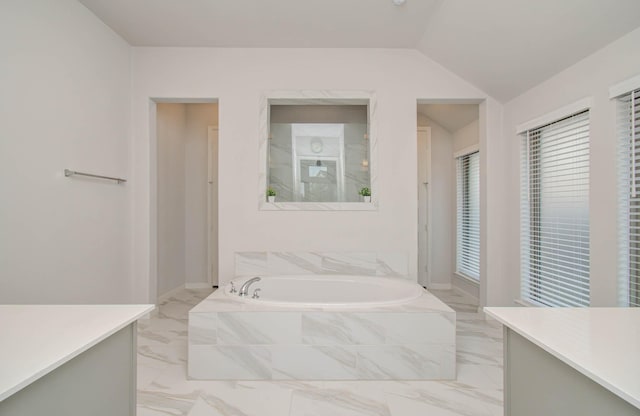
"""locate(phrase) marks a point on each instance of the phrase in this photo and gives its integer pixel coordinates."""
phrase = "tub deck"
(233, 340)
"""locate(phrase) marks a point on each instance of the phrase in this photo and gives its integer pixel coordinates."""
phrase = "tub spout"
(244, 290)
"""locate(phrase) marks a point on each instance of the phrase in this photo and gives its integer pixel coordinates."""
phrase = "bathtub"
(322, 291)
(322, 327)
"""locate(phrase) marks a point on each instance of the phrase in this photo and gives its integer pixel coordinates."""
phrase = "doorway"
(448, 145)
(186, 195)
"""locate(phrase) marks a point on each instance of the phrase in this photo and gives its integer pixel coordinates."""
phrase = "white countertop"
(601, 343)
(36, 339)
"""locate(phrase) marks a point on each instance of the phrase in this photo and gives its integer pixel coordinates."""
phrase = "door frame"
(424, 201)
(212, 205)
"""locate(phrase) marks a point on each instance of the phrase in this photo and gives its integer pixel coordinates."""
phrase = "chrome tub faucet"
(244, 290)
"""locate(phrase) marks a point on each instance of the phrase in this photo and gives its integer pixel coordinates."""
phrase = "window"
(555, 213)
(468, 216)
(629, 194)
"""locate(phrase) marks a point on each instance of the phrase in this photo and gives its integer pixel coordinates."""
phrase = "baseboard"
(459, 282)
(464, 292)
(439, 286)
(197, 285)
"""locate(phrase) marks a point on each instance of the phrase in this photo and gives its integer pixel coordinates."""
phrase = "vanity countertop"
(36, 339)
(601, 343)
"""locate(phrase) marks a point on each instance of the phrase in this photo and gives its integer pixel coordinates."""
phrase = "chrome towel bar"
(68, 172)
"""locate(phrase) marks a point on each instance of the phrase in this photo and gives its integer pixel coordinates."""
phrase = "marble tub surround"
(269, 263)
(234, 340)
(163, 387)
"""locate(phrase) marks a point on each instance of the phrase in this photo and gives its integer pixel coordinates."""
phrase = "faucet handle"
(255, 294)
(233, 288)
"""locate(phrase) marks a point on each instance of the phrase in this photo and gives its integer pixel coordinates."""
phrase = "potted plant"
(366, 194)
(271, 194)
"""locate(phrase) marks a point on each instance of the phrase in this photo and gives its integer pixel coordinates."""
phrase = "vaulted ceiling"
(502, 46)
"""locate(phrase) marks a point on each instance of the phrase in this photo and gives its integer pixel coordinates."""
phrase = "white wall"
(65, 103)
(171, 122)
(237, 77)
(591, 77)
(466, 136)
(199, 118)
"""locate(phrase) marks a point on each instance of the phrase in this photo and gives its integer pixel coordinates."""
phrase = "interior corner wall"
(171, 135)
(237, 78)
(198, 119)
(466, 136)
(65, 79)
(590, 77)
(443, 191)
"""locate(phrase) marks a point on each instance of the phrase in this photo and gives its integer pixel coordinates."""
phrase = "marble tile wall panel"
(251, 263)
(418, 328)
(351, 263)
(326, 328)
(258, 328)
(308, 362)
(222, 362)
(392, 264)
(388, 264)
(407, 362)
(289, 263)
(203, 328)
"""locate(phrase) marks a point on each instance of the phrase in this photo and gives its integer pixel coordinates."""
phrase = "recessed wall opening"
(449, 169)
(185, 133)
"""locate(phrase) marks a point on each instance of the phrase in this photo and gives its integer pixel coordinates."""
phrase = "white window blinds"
(628, 127)
(555, 213)
(468, 215)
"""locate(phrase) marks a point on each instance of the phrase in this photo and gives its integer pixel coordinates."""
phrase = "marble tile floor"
(163, 388)
(458, 301)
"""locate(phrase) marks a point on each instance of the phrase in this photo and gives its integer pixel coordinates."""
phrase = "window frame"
(628, 135)
(463, 177)
(541, 283)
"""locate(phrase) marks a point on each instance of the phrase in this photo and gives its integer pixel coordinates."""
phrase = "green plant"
(365, 191)
(271, 191)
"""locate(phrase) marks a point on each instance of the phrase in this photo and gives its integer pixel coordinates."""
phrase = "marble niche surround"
(311, 97)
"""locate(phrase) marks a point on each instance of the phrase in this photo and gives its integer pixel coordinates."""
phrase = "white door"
(212, 211)
(424, 215)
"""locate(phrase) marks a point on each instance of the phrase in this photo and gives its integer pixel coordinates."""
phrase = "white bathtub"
(343, 291)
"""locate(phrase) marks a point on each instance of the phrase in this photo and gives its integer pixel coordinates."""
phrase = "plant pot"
(271, 199)
(367, 198)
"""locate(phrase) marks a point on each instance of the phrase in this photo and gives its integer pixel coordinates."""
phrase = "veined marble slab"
(368, 263)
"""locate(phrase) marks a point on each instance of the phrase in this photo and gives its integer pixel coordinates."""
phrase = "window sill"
(318, 206)
(528, 303)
